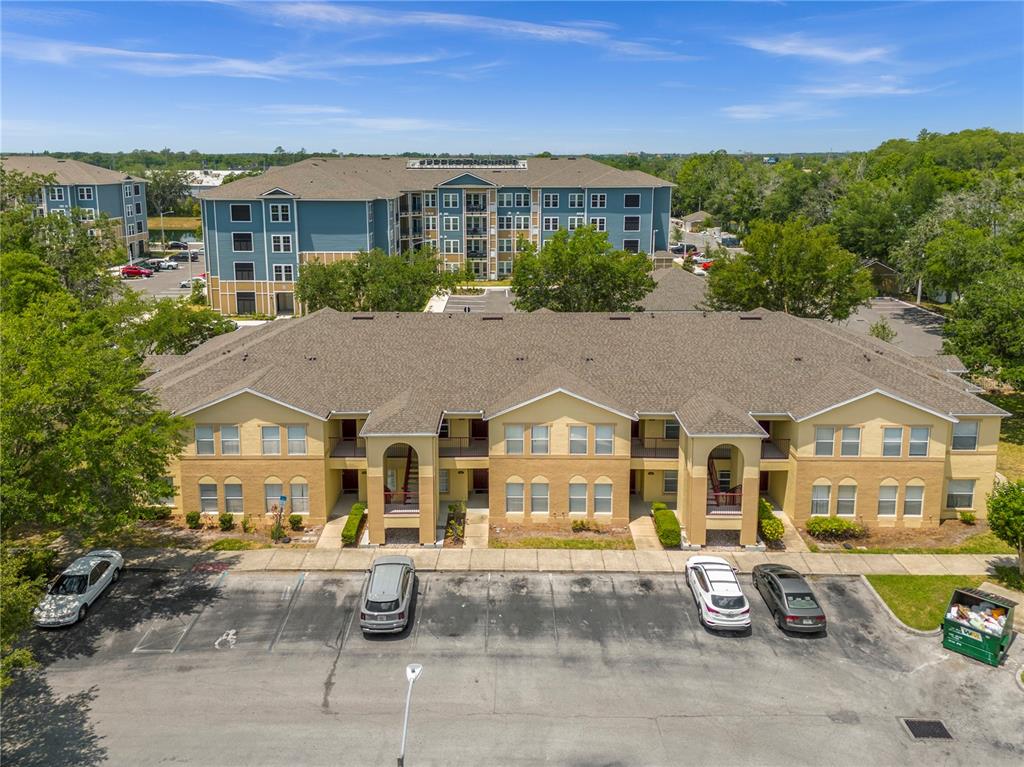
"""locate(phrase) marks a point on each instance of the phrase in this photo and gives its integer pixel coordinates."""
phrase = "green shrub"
(276, 532)
(771, 529)
(155, 513)
(834, 529)
(355, 518)
(583, 526)
(37, 562)
(226, 521)
(295, 521)
(667, 526)
(455, 529)
(192, 519)
(658, 506)
(764, 509)
(248, 525)
(967, 517)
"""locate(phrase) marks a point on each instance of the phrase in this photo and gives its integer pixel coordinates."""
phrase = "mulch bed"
(950, 533)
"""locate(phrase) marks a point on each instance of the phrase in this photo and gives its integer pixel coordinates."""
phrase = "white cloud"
(777, 110)
(300, 109)
(882, 86)
(797, 44)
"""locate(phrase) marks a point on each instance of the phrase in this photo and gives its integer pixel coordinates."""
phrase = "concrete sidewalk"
(563, 560)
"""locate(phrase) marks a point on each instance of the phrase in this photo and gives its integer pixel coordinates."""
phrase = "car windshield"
(801, 601)
(728, 603)
(69, 584)
(382, 607)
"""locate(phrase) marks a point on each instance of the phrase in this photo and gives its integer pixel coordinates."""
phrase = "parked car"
(716, 590)
(183, 257)
(790, 599)
(387, 595)
(167, 263)
(187, 283)
(133, 270)
(683, 248)
(175, 245)
(75, 590)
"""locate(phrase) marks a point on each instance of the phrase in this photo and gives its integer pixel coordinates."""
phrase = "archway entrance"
(401, 479)
(725, 481)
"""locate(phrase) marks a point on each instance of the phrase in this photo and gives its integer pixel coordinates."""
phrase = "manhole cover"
(927, 729)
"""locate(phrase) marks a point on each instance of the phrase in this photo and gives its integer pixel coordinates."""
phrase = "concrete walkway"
(641, 526)
(330, 538)
(478, 529)
(792, 540)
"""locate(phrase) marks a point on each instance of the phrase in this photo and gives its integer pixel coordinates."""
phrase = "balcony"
(476, 254)
(476, 231)
(774, 449)
(727, 503)
(476, 207)
(653, 447)
(399, 503)
(459, 447)
(347, 448)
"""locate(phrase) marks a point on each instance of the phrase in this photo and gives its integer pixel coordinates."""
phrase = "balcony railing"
(725, 504)
(476, 207)
(400, 502)
(653, 447)
(452, 447)
(477, 231)
(343, 447)
(475, 254)
(774, 449)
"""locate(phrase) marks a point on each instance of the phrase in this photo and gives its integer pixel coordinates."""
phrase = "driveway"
(165, 284)
(918, 331)
(519, 669)
(491, 301)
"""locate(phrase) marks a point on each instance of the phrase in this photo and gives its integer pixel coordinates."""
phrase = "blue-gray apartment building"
(474, 211)
(93, 192)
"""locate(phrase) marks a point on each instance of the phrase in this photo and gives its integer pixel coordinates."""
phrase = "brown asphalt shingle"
(66, 171)
(676, 289)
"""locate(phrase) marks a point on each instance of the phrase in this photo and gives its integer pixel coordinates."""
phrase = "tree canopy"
(1006, 516)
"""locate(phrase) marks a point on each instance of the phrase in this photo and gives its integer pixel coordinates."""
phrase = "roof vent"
(927, 729)
(245, 356)
(521, 359)
(798, 359)
(492, 317)
(310, 358)
(588, 359)
(867, 357)
(620, 317)
(750, 316)
(362, 316)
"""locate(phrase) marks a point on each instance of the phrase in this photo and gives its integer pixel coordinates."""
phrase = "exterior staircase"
(412, 476)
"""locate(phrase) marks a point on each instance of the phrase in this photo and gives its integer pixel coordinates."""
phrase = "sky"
(490, 77)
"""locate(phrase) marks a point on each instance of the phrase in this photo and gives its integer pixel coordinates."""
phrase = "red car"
(136, 271)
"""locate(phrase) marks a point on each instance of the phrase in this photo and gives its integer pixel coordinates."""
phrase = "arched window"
(821, 496)
(208, 503)
(233, 503)
(603, 496)
(578, 495)
(273, 489)
(846, 498)
(539, 495)
(514, 495)
(299, 492)
(888, 493)
(913, 498)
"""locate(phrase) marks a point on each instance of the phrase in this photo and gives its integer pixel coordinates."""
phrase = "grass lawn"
(237, 544)
(1010, 459)
(920, 600)
(173, 222)
(553, 542)
(982, 543)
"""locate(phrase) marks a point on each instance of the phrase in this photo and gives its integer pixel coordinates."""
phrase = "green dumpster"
(979, 625)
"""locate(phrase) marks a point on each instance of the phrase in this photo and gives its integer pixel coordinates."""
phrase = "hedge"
(764, 509)
(834, 529)
(355, 518)
(772, 529)
(667, 526)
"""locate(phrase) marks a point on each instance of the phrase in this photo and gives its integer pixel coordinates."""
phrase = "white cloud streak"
(800, 45)
(778, 110)
(882, 86)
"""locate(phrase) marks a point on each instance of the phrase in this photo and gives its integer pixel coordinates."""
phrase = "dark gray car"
(790, 599)
(387, 595)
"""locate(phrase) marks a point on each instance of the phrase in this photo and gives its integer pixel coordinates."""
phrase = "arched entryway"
(401, 479)
(725, 481)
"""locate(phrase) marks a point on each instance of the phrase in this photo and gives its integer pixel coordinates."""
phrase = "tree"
(792, 267)
(23, 278)
(166, 189)
(580, 272)
(956, 257)
(882, 330)
(985, 329)
(162, 326)
(20, 594)
(1006, 516)
(867, 219)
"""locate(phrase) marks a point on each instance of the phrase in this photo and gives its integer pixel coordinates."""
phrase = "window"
(230, 443)
(539, 439)
(576, 200)
(604, 439)
(913, 500)
(577, 498)
(141, 226)
(505, 199)
(504, 269)
(57, 194)
(522, 199)
(602, 498)
(208, 499)
(671, 429)
(960, 494)
(450, 199)
(513, 497)
(245, 303)
(204, 440)
(241, 242)
(670, 482)
(240, 212)
(300, 498)
(725, 479)
(127, 190)
(452, 246)
(850, 442)
(281, 243)
(575, 222)
(504, 222)
(138, 209)
(887, 500)
(85, 193)
(128, 211)
(824, 440)
(846, 501)
(965, 435)
(892, 441)
(131, 230)
(297, 439)
(577, 440)
(270, 439)
(819, 500)
(505, 245)
(631, 223)
(272, 493)
(137, 189)
(522, 222)
(233, 498)
(284, 273)
(167, 498)
(87, 214)
(550, 223)
(245, 271)
(513, 439)
(919, 440)
(451, 223)
(280, 213)
(442, 481)
(631, 200)
(631, 246)
(550, 200)
(430, 199)
(600, 224)
(538, 497)
(598, 200)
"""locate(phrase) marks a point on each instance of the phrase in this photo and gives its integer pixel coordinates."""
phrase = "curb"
(1017, 677)
(903, 626)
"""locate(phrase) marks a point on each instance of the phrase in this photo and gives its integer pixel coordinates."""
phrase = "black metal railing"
(401, 502)
(453, 447)
(774, 449)
(653, 447)
(346, 447)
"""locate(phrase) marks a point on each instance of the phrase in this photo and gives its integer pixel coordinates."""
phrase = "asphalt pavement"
(230, 668)
(918, 331)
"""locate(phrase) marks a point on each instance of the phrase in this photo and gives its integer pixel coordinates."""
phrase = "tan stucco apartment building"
(555, 417)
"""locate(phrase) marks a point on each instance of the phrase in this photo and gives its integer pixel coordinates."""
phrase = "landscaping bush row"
(666, 524)
(769, 525)
(834, 529)
(355, 518)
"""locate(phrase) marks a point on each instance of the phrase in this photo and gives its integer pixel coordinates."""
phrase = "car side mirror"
(736, 570)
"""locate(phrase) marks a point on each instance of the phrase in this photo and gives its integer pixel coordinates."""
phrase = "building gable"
(466, 179)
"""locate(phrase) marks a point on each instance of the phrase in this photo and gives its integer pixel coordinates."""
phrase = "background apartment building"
(474, 212)
(92, 192)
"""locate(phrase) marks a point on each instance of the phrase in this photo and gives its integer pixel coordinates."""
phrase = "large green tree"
(869, 219)
(792, 267)
(957, 257)
(580, 272)
(19, 593)
(1006, 516)
(166, 190)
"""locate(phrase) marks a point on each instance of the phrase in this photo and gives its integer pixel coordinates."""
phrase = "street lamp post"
(412, 673)
(163, 239)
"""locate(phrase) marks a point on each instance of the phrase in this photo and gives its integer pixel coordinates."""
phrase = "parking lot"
(918, 331)
(491, 301)
(232, 668)
(165, 284)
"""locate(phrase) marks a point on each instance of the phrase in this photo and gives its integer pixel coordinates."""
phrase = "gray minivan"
(387, 595)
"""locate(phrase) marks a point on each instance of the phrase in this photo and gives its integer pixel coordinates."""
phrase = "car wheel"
(779, 622)
(82, 612)
(116, 575)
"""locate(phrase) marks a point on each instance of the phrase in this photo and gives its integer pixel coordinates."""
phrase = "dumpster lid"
(987, 596)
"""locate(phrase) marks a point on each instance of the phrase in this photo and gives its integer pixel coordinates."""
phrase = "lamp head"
(413, 671)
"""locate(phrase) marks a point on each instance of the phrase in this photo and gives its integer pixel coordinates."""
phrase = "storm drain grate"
(927, 729)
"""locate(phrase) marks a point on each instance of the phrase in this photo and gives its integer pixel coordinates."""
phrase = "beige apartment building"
(545, 418)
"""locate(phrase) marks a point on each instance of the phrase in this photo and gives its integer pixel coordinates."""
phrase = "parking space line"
(487, 613)
(291, 604)
(554, 614)
(420, 604)
(618, 611)
(195, 618)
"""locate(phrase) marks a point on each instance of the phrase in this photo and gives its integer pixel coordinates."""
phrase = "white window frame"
(539, 499)
(514, 497)
(846, 440)
(578, 499)
(670, 429)
(635, 248)
(280, 213)
(913, 498)
(131, 229)
(536, 440)
(888, 443)
(670, 481)
(230, 445)
(575, 439)
(625, 200)
(821, 494)
(272, 498)
(603, 492)
(430, 223)
(522, 223)
(137, 189)
(205, 443)
(505, 199)
(451, 223)
(231, 212)
(511, 430)
(205, 496)
(846, 501)
(85, 193)
(522, 200)
(267, 441)
(626, 222)
(443, 481)
(971, 428)
(551, 200)
(504, 268)
(604, 439)
(297, 445)
(820, 440)
(128, 211)
(886, 505)
(280, 243)
(252, 243)
(300, 503)
(505, 222)
(575, 222)
(284, 273)
(955, 498)
(598, 200)
(86, 214)
(505, 245)
(600, 223)
(56, 194)
(231, 500)
(127, 191)
(234, 271)
(452, 247)
(577, 200)
(927, 439)
(450, 200)
(430, 199)
(550, 223)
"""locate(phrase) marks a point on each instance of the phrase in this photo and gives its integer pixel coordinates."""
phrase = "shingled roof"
(66, 171)
(372, 178)
(716, 371)
(676, 289)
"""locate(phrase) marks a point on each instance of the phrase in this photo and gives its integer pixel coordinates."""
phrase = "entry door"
(285, 304)
(349, 480)
(632, 482)
(762, 482)
(480, 481)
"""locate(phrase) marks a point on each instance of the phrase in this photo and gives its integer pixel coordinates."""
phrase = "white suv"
(717, 592)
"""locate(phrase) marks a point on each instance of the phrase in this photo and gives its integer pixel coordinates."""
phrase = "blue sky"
(504, 77)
